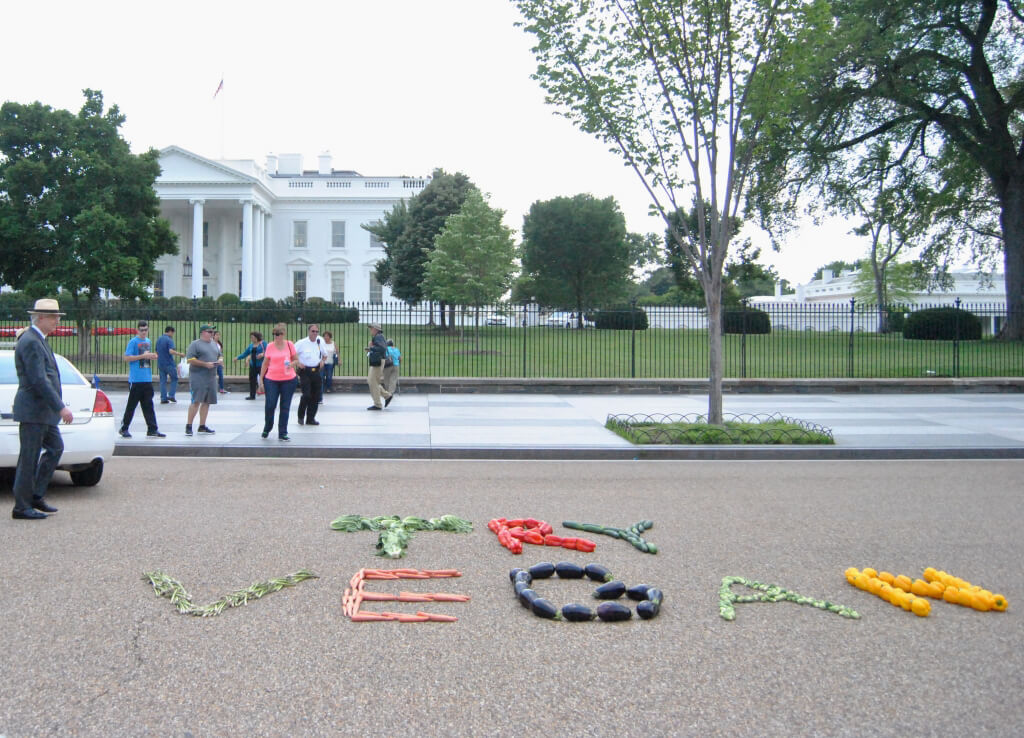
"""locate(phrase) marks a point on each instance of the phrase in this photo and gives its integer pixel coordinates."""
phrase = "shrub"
(621, 318)
(747, 321)
(942, 324)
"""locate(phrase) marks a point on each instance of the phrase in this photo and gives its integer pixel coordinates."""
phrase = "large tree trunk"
(1012, 221)
(716, 363)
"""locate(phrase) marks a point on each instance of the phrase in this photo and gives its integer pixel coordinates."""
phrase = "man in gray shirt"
(203, 356)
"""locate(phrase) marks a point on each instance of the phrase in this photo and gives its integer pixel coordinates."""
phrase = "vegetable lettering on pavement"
(172, 589)
(630, 534)
(727, 599)
(512, 534)
(396, 532)
(355, 595)
(649, 598)
(909, 594)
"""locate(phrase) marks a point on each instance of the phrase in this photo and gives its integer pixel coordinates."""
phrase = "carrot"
(448, 597)
(438, 618)
(405, 617)
(414, 576)
(405, 571)
(378, 597)
(367, 617)
(412, 597)
(444, 572)
(382, 576)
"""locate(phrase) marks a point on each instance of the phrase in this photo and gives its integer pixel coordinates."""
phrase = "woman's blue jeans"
(278, 390)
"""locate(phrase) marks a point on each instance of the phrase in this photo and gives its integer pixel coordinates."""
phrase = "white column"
(197, 247)
(246, 250)
(265, 253)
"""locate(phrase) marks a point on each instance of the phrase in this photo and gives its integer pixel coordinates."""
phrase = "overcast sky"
(389, 87)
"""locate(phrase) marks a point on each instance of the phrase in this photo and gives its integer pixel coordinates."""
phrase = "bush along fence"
(763, 340)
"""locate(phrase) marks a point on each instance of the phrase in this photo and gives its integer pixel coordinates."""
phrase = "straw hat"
(46, 306)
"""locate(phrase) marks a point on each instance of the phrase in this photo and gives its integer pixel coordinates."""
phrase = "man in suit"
(38, 408)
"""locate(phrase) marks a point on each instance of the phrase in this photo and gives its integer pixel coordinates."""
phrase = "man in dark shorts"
(203, 356)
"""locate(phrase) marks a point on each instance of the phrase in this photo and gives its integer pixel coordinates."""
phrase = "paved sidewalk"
(571, 426)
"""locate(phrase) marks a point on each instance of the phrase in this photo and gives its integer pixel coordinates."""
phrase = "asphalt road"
(89, 649)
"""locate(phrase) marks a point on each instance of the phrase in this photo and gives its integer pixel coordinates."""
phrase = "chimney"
(826, 275)
(271, 164)
(325, 163)
(290, 164)
(778, 288)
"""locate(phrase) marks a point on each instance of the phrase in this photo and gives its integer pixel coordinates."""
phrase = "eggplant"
(647, 609)
(577, 613)
(639, 592)
(520, 586)
(523, 576)
(542, 571)
(527, 596)
(610, 591)
(544, 609)
(567, 570)
(611, 612)
(512, 574)
(655, 596)
(598, 573)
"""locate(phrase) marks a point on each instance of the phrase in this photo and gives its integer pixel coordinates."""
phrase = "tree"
(666, 84)
(944, 77)
(750, 277)
(78, 212)
(473, 258)
(575, 251)
(388, 231)
(412, 234)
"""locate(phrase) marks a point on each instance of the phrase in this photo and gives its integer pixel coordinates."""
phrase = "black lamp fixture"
(186, 268)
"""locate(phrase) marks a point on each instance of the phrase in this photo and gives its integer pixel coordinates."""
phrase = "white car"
(88, 440)
(496, 319)
(566, 320)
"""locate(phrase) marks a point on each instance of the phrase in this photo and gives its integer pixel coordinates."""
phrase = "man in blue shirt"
(140, 357)
(166, 366)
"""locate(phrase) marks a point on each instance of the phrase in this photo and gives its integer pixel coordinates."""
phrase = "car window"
(68, 375)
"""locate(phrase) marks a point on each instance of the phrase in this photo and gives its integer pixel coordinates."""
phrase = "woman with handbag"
(278, 379)
(254, 353)
(330, 361)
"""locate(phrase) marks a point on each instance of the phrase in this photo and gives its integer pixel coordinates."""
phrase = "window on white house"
(376, 291)
(299, 285)
(338, 287)
(299, 229)
(375, 243)
(241, 234)
(337, 234)
(239, 282)
(158, 284)
(206, 233)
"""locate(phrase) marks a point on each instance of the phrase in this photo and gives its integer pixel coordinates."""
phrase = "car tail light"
(101, 407)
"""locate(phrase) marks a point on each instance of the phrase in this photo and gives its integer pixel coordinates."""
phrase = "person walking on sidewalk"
(277, 377)
(375, 354)
(140, 359)
(38, 408)
(392, 359)
(254, 353)
(203, 356)
(330, 362)
(166, 366)
(311, 354)
(220, 367)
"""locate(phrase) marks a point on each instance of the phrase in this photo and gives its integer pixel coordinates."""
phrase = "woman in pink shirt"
(278, 378)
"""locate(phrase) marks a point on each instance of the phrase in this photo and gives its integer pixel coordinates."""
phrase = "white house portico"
(275, 231)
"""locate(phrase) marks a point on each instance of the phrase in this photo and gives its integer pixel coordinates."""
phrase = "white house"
(967, 286)
(273, 231)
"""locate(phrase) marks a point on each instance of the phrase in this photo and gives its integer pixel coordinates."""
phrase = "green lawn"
(658, 353)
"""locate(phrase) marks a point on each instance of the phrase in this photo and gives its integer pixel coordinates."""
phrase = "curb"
(639, 453)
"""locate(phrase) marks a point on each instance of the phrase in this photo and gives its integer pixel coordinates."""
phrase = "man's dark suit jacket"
(39, 398)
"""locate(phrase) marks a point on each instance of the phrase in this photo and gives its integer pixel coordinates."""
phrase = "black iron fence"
(767, 340)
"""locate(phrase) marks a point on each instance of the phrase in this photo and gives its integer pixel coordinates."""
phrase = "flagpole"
(222, 119)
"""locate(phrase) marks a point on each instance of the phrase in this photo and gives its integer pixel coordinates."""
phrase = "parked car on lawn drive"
(88, 440)
(566, 320)
(495, 319)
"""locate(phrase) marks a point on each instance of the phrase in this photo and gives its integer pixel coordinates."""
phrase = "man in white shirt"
(310, 355)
